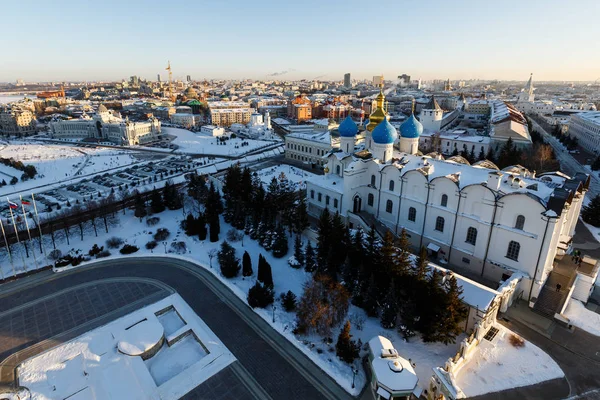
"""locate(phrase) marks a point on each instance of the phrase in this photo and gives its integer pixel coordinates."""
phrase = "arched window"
(439, 224)
(391, 185)
(412, 214)
(373, 180)
(513, 250)
(370, 199)
(520, 222)
(319, 197)
(444, 202)
(337, 169)
(388, 206)
(335, 203)
(312, 194)
(471, 236)
(326, 200)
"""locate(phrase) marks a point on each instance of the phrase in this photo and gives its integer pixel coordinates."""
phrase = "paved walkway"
(278, 368)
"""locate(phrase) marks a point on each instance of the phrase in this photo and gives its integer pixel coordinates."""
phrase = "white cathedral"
(471, 217)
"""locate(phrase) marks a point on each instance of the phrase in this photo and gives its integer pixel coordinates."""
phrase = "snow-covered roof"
(474, 294)
(140, 338)
(329, 181)
(393, 372)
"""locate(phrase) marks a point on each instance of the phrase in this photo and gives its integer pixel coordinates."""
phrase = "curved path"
(277, 366)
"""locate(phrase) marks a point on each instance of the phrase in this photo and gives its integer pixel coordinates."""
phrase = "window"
(412, 214)
(513, 250)
(312, 194)
(391, 185)
(337, 169)
(327, 200)
(370, 199)
(373, 180)
(471, 236)
(439, 224)
(466, 260)
(444, 202)
(335, 203)
(520, 222)
(388, 206)
(319, 197)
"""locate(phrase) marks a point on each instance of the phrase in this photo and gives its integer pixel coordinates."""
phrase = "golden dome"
(379, 114)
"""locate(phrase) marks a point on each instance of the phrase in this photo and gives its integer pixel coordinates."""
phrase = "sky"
(74, 40)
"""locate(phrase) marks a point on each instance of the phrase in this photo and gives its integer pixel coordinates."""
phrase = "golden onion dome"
(379, 114)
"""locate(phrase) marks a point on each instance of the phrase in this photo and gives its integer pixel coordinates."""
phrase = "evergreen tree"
(481, 155)
(280, 246)
(156, 202)
(596, 164)
(191, 226)
(591, 212)
(214, 230)
(229, 263)
(453, 312)
(140, 206)
(389, 310)
(260, 295)
(455, 152)
(246, 265)
(324, 239)
(490, 155)
(201, 225)
(421, 264)
(298, 251)
(288, 301)
(471, 156)
(301, 216)
(371, 298)
(403, 262)
(309, 258)
(346, 348)
(264, 271)
(509, 154)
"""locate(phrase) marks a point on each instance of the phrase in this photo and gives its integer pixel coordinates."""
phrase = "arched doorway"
(357, 204)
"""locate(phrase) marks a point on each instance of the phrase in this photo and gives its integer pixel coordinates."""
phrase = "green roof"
(193, 103)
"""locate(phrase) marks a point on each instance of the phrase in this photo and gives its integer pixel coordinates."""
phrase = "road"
(568, 164)
(277, 368)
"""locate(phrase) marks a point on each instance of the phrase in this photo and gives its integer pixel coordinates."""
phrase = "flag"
(25, 202)
(12, 205)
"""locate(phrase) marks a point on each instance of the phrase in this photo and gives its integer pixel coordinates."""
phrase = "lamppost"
(274, 308)
(165, 244)
(354, 373)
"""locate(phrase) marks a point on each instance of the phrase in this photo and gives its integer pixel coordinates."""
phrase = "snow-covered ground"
(57, 163)
(198, 143)
(294, 175)
(425, 355)
(498, 365)
(90, 366)
(583, 318)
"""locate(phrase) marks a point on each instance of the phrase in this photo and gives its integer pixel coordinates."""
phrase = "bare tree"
(212, 253)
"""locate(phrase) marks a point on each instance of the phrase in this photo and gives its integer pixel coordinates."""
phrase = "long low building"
(585, 127)
(107, 126)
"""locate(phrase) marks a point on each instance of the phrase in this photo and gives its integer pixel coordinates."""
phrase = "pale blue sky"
(96, 40)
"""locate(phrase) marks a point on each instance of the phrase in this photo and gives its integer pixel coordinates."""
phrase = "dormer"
(494, 179)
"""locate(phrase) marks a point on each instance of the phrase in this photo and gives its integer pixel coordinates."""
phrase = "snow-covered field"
(295, 175)
(425, 355)
(198, 143)
(583, 318)
(56, 163)
(90, 366)
(498, 365)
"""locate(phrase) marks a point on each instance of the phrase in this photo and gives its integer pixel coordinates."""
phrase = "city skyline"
(432, 41)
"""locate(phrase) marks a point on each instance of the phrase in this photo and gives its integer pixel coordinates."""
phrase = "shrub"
(103, 253)
(516, 341)
(346, 348)
(178, 248)
(114, 242)
(152, 221)
(95, 250)
(234, 236)
(230, 264)
(55, 254)
(260, 295)
(128, 249)
(288, 300)
(151, 245)
(161, 234)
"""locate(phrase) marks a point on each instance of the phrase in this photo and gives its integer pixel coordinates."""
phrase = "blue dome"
(384, 133)
(411, 128)
(348, 128)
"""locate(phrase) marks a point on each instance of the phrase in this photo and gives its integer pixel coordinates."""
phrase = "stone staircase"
(550, 301)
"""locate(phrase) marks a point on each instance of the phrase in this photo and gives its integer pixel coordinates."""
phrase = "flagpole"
(37, 217)
(12, 216)
(8, 248)
(28, 232)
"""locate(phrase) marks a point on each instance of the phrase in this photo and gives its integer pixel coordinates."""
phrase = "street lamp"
(274, 308)
(354, 373)
(165, 244)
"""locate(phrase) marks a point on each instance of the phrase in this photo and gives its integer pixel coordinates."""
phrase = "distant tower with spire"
(526, 95)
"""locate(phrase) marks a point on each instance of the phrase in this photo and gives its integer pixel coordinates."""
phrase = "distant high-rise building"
(134, 81)
(347, 82)
(378, 80)
(188, 78)
(158, 77)
(404, 79)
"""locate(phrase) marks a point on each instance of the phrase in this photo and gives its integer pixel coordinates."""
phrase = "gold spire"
(379, 114)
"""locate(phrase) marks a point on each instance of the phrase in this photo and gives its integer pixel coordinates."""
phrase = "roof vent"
(389, 353)
(395, 366)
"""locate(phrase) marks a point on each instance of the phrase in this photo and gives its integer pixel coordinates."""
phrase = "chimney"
(494, 179)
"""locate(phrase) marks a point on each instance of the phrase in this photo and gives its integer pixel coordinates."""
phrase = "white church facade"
(472, 217)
